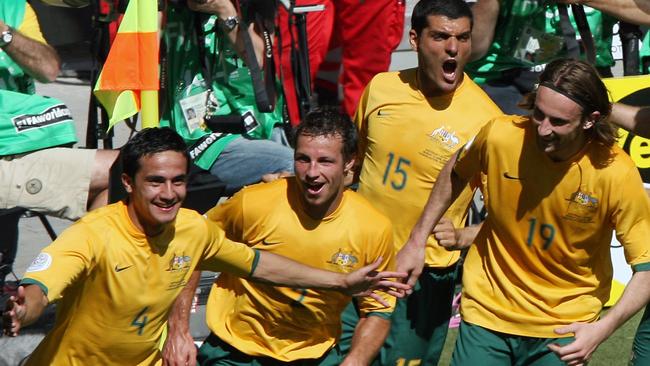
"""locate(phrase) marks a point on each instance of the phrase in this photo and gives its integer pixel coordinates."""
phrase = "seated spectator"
(206, 74)
(37, 173)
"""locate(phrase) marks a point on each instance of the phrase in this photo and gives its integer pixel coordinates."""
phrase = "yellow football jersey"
(283, 323)
(405, 140)
(542, 259)
(115, 286)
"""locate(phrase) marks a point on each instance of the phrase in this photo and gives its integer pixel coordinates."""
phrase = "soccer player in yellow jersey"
(117, 271)
(410, 123)
(311, 218)
(556, 187)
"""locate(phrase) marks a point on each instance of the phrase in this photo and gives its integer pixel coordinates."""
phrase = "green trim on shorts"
(256, 260)
(642, 267)
(29, 281)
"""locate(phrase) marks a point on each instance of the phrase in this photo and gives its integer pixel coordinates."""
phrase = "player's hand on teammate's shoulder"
(366, 281)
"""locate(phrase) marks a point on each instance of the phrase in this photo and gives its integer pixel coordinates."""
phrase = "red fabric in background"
(367, 32)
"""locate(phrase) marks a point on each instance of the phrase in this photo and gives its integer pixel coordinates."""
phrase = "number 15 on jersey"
(395, 173)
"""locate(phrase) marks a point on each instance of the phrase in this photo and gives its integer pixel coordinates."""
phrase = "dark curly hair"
(329, 121)
(147, 142)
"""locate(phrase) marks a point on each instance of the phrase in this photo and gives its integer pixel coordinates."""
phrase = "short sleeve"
(69, 258)
(30, 27)
(224, 255)
(631, 220)
(385, 249)
(472, 155)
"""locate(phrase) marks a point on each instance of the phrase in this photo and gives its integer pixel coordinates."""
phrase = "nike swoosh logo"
(120, 269)
(508, 176)
(382, 113)
(267, 243)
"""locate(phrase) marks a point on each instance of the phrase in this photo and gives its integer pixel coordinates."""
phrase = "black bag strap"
(572, 46)
(264, 94)
(585, 33)
(199, 38)
(269, 63)
(630, 35)
(264, 90)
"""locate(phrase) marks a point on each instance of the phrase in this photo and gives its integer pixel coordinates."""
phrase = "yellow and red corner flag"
(129, 80)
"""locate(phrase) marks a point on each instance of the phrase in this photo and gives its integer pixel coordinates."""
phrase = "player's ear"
(127, 182)
(591, 120)
(349, 164)
(413, 40)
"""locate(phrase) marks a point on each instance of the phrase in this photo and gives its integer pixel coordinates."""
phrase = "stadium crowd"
(346, 231)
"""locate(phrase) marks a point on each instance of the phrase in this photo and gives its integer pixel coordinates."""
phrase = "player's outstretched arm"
(631, 118)
(448, 186)
(278, 270)
(179, 349)
(23, 309)
(588, 336)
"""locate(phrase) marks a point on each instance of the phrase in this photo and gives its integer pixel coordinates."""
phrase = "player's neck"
(429, 89)
(149, 230)
(319, 212)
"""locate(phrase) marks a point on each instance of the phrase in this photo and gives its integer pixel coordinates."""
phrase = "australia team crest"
(343, 260)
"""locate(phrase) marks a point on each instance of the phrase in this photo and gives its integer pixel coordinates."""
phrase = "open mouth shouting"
(449, 68)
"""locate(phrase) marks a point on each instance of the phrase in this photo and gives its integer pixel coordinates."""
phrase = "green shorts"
(476, 345)
(215, 351)
(641, 346)
(419, 323)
